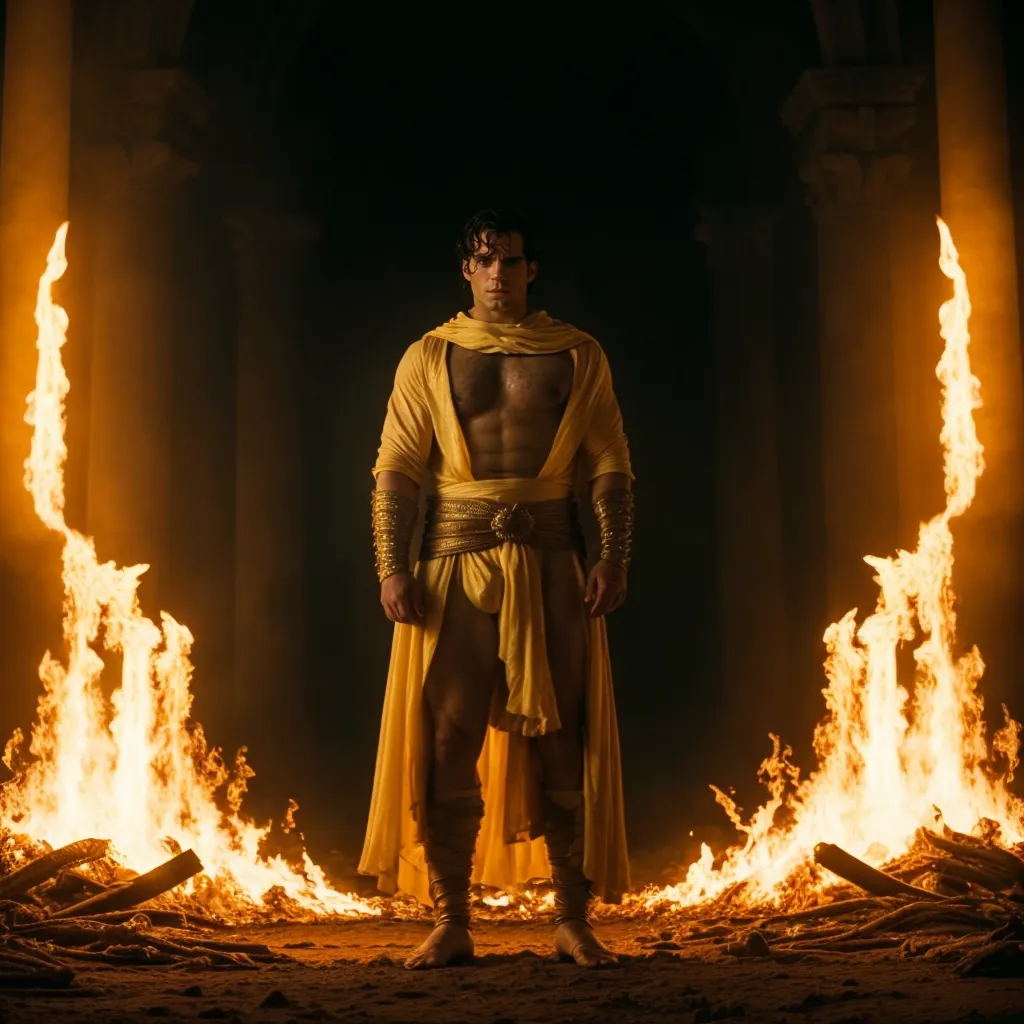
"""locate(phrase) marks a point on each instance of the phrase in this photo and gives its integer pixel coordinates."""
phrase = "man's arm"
(401, 467)
(408, 427)
(611, 492)
(395, 507)
(389, 480)
(606, 483)
(607, 584)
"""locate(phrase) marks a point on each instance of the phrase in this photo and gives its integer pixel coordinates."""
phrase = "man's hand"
(402, 598)
(606, 588)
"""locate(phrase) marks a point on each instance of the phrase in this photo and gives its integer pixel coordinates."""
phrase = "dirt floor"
(353, 973)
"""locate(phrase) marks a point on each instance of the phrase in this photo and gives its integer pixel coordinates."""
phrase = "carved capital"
(842, 180)
(849, 88)
(851, 127)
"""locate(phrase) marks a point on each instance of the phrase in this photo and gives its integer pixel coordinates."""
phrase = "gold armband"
(394, 522)
(615, 518)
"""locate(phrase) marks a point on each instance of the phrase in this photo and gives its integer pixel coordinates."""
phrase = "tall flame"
(887, 762)
(135, 770)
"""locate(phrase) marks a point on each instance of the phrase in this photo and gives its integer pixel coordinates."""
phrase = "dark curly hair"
(494, 222)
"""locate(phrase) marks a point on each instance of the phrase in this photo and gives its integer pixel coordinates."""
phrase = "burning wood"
(140, 890)
(37, 940)
(994, 868)
(854, 870)
(19, 882)
(977, 931)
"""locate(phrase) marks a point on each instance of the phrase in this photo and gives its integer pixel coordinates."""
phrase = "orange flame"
(135, 770)
(887, 762)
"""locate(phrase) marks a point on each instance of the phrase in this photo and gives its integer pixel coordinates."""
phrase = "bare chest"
(528, 385)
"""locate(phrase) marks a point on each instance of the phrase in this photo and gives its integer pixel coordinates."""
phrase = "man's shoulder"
(424, 353)
(589, 348)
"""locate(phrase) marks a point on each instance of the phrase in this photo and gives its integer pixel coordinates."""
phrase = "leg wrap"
(564, 821)
(453, 821)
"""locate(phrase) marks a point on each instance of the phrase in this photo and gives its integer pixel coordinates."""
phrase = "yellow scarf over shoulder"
(537, 335)
(423, 440)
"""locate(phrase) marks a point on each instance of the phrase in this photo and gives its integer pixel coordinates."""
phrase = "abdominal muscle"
(503, 447)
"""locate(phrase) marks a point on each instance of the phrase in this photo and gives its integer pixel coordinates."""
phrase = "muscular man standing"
(499, 758)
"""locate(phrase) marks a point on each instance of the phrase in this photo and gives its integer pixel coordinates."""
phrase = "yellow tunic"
(423, 440)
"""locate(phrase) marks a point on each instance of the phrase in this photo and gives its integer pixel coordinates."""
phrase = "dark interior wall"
(609, 132)
(593, 128)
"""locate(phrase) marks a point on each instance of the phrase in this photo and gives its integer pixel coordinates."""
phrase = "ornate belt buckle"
(512, 525)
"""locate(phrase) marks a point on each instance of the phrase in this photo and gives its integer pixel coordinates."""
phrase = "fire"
(888, 761)
(133, 769)
(137, 770)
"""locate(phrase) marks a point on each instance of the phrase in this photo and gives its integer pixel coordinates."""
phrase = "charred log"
(845, 865)
(19, 882)
(146, 887)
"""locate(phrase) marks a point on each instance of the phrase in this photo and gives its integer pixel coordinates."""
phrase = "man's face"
(499, 274)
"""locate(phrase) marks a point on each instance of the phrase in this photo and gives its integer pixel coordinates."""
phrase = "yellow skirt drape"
(504, 581)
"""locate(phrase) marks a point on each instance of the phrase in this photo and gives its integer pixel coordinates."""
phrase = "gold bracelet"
(394, 522)
(615, 517)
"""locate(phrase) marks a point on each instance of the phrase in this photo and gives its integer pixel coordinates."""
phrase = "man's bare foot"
(447, 944)
(576, 941)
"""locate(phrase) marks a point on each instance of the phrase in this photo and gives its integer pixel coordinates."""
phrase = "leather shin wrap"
(453, 821)
(564, 821)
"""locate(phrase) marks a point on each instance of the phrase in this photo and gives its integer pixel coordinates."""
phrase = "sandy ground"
(353, 973)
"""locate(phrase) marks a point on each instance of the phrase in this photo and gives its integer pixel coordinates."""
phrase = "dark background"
(609, 128)
(604, 129)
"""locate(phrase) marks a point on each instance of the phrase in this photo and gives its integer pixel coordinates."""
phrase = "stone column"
(977, 203)
(850, 125)
(34, 177)
(136, 181)
(268, 466)
(751, 563)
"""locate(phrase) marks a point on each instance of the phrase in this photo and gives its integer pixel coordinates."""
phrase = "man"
(499, 756)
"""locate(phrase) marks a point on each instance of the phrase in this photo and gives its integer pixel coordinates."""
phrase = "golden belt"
(457, 526)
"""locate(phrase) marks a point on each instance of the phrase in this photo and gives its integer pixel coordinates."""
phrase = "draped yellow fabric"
(423, 440)
(538, 334)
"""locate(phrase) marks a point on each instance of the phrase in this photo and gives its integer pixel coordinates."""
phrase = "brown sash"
(457, 526)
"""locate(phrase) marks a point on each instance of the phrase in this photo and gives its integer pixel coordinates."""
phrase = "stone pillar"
(34, 177)
(751, 563)
(34, 181)
(977, 203)
(136, 178)
(268, 459)
(851, 125)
